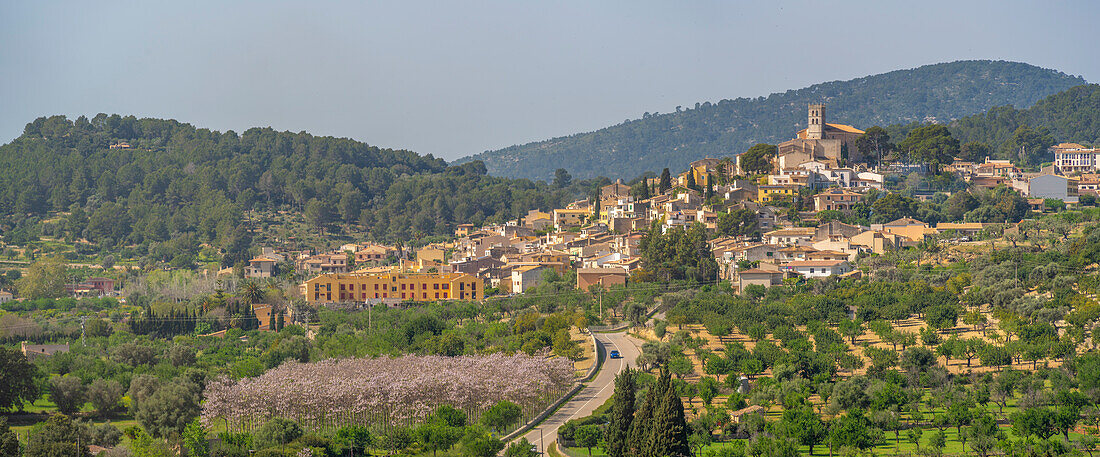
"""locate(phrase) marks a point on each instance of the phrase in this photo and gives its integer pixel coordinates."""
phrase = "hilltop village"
(768, 217)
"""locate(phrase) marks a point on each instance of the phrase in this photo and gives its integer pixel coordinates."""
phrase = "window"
(447, 286)
(811, 271)
(375, 288)
(437, 295)
(402, 288)
(341, 287)
(402, 295)
(424, 295)
(435, 286)
(424, 286)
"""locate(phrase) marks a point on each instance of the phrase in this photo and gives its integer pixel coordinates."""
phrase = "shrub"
(277, 432)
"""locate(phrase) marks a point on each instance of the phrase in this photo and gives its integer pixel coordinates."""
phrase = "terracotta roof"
(903, 222)
(844, 127)
(808, 231)
(1068, 146)
(757, 271)
(815, 263)
(959, 225)
(608, 271)
(838, 191)
(829, 253)
(797, 249)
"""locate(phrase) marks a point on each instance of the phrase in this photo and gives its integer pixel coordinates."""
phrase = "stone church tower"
(815, 130)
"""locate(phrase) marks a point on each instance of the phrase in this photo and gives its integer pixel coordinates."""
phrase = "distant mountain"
(943, 92)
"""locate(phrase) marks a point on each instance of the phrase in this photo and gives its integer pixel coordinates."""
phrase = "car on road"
(616, 355)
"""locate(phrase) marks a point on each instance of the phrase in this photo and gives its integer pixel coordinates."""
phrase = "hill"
(119, 181)
(942, 92)
(1069, 116)
(1024, 135)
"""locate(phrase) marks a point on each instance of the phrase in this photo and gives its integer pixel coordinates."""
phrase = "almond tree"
(386, 391)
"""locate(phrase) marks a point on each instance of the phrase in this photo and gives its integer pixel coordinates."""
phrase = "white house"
(526, 276)
(789, 236)
(818, 268)
(599, 261)
(1052, 186)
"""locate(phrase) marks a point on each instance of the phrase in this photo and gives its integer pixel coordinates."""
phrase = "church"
(832, 144)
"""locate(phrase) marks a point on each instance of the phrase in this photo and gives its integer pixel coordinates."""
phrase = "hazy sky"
(456, 78)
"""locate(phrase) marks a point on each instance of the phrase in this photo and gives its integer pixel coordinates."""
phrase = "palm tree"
(252, 292)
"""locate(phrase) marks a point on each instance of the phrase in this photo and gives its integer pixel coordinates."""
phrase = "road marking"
(597, 394)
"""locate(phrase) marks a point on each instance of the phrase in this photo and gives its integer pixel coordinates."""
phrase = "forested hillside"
(944, 91)
(1025, 135)
(1069, 116)
(192, 186)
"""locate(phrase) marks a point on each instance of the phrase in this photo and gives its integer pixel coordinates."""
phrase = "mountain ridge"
(943, 91)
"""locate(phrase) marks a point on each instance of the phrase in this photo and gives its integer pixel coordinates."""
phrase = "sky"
(458, 78)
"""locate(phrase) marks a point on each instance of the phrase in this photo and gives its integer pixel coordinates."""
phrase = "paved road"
(592, 395)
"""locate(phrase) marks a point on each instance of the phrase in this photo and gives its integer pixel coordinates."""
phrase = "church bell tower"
(815, 130)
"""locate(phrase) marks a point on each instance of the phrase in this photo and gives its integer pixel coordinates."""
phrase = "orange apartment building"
(422, 287)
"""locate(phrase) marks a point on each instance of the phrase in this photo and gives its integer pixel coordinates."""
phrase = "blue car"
(616, 355)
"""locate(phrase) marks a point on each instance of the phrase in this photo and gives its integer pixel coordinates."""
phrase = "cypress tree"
(617, 436)
(666, 181)
(639, 428)
(690, 182)
(668, 431)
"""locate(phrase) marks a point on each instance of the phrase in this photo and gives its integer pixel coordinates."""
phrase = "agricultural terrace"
(991, 349)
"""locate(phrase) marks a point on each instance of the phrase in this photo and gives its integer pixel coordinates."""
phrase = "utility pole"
(82, 319)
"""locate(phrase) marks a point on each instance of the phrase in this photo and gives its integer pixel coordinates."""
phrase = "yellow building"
(359, 287)
(432, 252)
(703, 170)
(769, 193)
(570, 217)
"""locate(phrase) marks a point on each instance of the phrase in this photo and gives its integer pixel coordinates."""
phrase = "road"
(592, 395)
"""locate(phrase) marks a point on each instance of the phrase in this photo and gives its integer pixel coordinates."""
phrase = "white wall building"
(818, 268)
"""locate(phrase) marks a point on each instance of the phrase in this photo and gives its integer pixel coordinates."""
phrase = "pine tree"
(666, 181)
(668, 430)
(617, 436)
